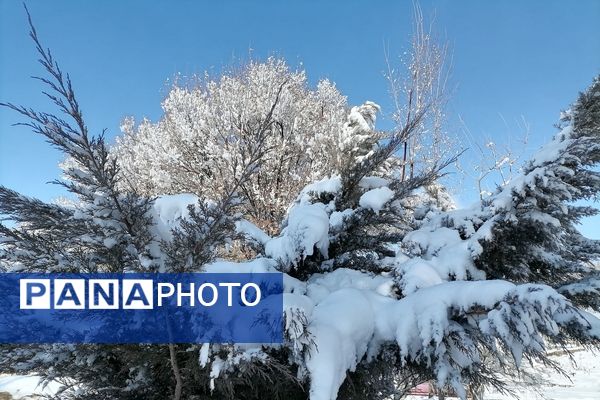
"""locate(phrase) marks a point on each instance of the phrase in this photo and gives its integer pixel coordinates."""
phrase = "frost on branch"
(210, 128)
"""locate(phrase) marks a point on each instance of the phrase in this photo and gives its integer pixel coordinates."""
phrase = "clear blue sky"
(512, 60)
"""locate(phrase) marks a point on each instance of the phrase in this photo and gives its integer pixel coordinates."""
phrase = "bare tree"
(418, 84)
(495, 163)
(209, 130)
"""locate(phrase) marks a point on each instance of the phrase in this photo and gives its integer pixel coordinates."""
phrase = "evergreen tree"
(536, 236)
(107, 229)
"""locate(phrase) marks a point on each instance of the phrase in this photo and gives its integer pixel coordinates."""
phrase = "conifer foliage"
(387, 285)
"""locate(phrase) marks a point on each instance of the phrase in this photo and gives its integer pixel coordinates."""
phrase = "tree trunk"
(176, 372)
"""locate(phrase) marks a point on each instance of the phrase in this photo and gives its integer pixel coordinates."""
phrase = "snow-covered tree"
(536, 215)
(386, 284)
(396, 290)
(209, 129)
(105, 229)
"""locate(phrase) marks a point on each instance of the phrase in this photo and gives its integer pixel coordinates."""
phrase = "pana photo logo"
(73, 294)
(141, 308)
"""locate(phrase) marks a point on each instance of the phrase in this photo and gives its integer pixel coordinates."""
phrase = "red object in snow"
(423, 389)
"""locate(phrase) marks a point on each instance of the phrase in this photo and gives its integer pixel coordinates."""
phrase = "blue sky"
(512, 60)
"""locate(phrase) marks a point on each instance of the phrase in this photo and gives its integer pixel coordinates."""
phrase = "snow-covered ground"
(583, 382)
(585, 385)
(23, 387)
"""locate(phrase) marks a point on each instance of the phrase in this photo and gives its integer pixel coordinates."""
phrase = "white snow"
(336, 219)
(342, 325)
(554, 149)
(21, 386)
(417, 274)
(581, 383)
(354, 313)
(307, 227)
(325, 185)
(258, 265)
(168, 210)
(375, 199)
(252, 232)
(372, 182)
